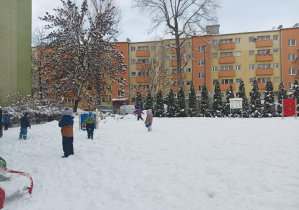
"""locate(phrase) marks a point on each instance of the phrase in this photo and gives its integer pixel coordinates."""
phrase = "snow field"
(183, 164)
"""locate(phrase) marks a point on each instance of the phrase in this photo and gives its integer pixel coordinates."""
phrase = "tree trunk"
(178, 60)
(76, 105)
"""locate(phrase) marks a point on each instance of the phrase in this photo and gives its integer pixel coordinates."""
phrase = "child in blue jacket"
(6, 120)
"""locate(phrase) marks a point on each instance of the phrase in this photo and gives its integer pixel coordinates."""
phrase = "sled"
(13, 182)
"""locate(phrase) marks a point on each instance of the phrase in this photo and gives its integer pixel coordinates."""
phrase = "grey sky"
(234, 16)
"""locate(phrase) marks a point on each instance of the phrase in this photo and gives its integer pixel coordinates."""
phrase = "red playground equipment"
(13, 182)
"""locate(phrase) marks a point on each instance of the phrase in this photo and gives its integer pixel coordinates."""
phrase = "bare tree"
(181, 18)
(82, 51)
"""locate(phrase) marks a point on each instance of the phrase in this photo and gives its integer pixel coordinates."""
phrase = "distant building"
(15, 47)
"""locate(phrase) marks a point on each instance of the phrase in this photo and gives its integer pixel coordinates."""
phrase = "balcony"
(227, 46)
(265, 57)
(225, 87)
(260, 72)
(176, 76)
(140, 79)
(223, 60)
(142, 53)
(261, 86)
(142, 65)
(227, 73)
(175, 88)
(173, 50)
(173, 63)
(264, 43)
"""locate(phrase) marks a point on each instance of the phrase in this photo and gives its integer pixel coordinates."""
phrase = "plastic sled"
(12, 183)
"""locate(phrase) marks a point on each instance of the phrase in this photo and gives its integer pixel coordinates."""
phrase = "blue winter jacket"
(6, 119)
(66, 120)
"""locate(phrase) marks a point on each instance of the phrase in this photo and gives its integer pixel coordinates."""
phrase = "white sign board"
(235, 103)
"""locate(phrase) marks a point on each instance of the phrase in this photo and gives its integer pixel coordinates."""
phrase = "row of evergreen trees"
(217, 107)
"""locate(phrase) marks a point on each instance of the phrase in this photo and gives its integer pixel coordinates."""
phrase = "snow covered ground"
(184, 164)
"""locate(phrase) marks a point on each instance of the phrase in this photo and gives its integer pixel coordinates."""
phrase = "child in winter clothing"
(149, 120)
(6, 120)
(24, 125)
(90, 123)
(66, 123)
(139, 112)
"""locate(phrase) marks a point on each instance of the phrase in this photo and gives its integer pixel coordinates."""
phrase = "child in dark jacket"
(66, 123)
(90, 123)
(6, 120)
(24, 125)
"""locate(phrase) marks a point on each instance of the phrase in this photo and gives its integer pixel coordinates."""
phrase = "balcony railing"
(227, 46)
(264, 43)
(265, 57)
(261, 86)
(173, 50)
(142, 53)
(175, 88)
(225, 87)
(226, 73)
(142, 79)
(226, 59)
(260, 72)
(176, 76)
(142, 65)
(173, 63)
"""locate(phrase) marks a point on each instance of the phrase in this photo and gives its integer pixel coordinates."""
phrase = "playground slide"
(13, 182)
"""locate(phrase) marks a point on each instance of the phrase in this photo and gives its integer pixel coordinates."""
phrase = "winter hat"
(26, 113)
(6, 112)
(66, 111)
(90, 114)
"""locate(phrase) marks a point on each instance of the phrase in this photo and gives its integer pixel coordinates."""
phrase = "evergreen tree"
(217, 101)
(242, 94)
(296, 93)
(269, 110)
(181, 103)
(255, 106)
(139, 101)
(204, 102)
(282, 94)
(148, 101)
(159, 111)
(192, 102)
(228, 94)
(171, 106)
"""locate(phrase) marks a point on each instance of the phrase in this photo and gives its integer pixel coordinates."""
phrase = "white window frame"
(133, 74)
(291, 85)
(276, 51)
(292, 42)
(275, 65)
(215, 55)
(292, 71)
(251, 80)
(227, 81)
(238, 67)
(201, 75)
(226, 68)
(250, 52)
(264, 66)
(201, 48)
(142, 47)
(275, 38)
(238, 53)
(188, 70)
(215, 68)
(251, 65)
(201, 62)
(226, 54)
(133, 49)
(276, 80)
(120, 93)
(225, 41)
(292, 56)
(238, 40)
(238, 80)
(262, 38)
(133, 61)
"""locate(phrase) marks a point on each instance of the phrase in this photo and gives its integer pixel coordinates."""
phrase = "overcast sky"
(234, 16)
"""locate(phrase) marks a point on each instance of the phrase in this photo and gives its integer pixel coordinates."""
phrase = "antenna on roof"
(296, 25)
(128, 40)
(279, 27)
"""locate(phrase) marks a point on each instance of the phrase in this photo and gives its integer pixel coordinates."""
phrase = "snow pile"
(184, 163)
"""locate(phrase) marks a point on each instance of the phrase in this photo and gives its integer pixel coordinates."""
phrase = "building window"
(238, 67)
(143, 48)
(292, 42)
(133, 74)
(201, 48)
(251, 52)
(276, 65)
(188, 70)
(153, 48)
(108, 87)
(291, 85)
(133, 61)
(276, 80)
(201, 62)
(251, 80)
(174, 71)
(167, 58)
(227, 81)
(143, 61)
(133, 99)
(264, 66)
(292, 56)
(275, 51)
(263, 79)
(188, 82)
(275, 37)
(263, 52)
(167, 71)
(132, 48)
(175, 83)
(120, 93)
(215, 68)
(238, 53)
(103, 99)
(109, 99)
(260, 38)
(201, 75)
(215, 42)
(238, 40)
(199, 88)
(251, 66)
(173, 58)
(238, 81)
(224, 68)
(215, 55)
(251, 39)
(292, 71)
(215, 81)
(119, 80)
(226, 54)
(225, 41)
(133, 87)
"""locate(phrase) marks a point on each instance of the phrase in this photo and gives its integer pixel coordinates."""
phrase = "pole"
(204, 60)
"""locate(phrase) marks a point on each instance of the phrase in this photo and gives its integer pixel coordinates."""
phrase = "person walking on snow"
(90, 122)
(139, 112)
(24, 125)
(149, 120)
(66, 123)
(6, 120)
